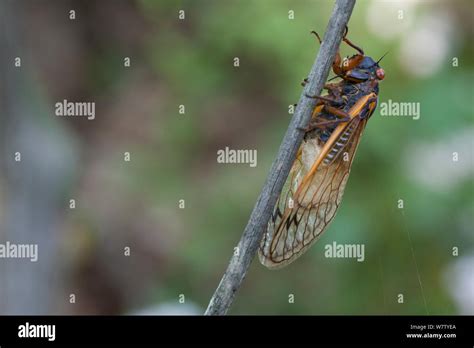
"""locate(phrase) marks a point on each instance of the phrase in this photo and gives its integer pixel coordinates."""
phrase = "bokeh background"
(135, 204)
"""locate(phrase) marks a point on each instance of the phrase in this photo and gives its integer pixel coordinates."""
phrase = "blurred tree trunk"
(33, 190)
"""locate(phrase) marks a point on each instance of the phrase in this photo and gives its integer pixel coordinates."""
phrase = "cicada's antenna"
(382, 57)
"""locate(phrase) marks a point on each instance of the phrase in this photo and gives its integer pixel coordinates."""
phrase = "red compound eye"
(380, 73)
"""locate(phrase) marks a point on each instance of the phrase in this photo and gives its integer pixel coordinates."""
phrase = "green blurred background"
(189, 62)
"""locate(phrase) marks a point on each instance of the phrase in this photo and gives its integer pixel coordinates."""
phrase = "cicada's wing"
(310, 196)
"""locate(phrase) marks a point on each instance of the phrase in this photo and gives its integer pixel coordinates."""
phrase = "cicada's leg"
(336, 65)
(306, 80)
(324, 124)
(331, 86)
(341, 114)
(351, 63)
(336, 100)
(317, 35)
(347, 41)
(336, 111)
(328, 86)
(335, 90)
(340, 67)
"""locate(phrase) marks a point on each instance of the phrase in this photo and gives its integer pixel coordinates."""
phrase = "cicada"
(316, 182)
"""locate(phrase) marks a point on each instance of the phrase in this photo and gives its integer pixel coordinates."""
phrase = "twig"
(249, 243)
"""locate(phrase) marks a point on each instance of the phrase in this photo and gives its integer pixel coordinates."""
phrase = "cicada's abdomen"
(340, 144)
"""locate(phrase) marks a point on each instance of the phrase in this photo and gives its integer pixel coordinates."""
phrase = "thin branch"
(253, 233)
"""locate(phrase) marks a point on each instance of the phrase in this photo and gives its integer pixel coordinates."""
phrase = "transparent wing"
(310, 196)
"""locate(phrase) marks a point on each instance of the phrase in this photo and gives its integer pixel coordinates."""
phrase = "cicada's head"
(367, 69)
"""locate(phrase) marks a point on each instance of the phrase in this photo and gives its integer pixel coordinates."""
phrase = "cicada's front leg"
(306, 80)
(340, 66)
